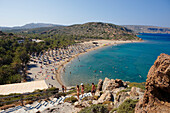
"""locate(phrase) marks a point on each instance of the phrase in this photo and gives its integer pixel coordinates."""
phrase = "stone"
(106, 96)
(76, 104)
(99, 85)
(121, 98)
(98, 93)
(119, 83)
(156, 98)
(112, 84)
(105, 83)
(85, 103)
(136, 93)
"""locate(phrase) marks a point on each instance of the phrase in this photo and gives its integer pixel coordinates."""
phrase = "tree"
(22, 56)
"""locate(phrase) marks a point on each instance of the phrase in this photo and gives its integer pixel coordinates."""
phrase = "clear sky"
(67, 12)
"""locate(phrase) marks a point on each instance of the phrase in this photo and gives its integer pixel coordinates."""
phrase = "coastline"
(101, 43)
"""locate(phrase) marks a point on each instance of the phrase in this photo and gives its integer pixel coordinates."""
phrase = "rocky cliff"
(157, 94)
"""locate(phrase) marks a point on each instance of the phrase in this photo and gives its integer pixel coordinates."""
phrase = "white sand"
(22, 87)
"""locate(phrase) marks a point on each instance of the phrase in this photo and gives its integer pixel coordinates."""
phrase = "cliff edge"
(157, 94)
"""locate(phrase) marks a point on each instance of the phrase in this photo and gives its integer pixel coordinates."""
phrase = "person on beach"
(63, 88)
(78, 91)
(82, 89)
(93, 89)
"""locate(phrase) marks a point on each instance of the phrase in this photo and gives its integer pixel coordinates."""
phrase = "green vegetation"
(16, 96)
(71, 99)
(107, 102)
(14, 56)
(125, 90)
(128, 106)
(13, 59)
(135, 84)
(99, 108)
(95, 30)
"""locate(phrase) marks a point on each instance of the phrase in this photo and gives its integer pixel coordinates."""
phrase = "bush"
(126, 90)
(85, 99)
(107, 102)
(71, 91)
(114, 109)
(95, 97)
(61, 94)
(87, 88)
(90, 102)
(99, 108)
(71, 99)
(139, 85)
(128, 106)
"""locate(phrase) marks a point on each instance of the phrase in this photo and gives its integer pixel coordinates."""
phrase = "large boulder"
(106, 96)
(99, 88)
(99, 85)
(157, 94)
(120, 98)
(136, 93)
(105, 84)
(112, 84)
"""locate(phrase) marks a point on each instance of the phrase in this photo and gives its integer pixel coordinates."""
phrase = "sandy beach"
(101, 43)
(50, 74)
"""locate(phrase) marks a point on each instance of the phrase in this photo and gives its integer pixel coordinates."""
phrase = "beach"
(101, 43)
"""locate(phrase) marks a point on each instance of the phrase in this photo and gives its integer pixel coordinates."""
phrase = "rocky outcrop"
(107, 96)
(136, 93)
(112, 84)
(109, 88)
(99, 85)
(157, 94)
(121, 98)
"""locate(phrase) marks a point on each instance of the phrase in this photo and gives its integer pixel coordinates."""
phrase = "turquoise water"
(129, 62)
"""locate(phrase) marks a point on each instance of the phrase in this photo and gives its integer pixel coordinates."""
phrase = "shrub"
(139, 85)
(52, 89)
(128, 106)
(85, 99)
(126, 90)
(71, 99)
(99, 108)
(87, 88)
(61, 94)
(90, 102)
(114, 109)
(71, 91)
(95, 97)
(107, 102)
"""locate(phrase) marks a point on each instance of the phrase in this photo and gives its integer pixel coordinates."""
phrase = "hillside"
(28, 26)
(148, 29)
(95, 30)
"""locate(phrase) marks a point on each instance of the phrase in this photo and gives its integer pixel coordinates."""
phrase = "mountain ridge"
(135, 28)
(95, 30)
(30, 26)
(148, 29)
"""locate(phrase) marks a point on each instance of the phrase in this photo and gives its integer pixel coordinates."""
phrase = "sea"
(129, 62)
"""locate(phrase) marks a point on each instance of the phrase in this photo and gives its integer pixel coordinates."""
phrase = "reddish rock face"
(157, 95)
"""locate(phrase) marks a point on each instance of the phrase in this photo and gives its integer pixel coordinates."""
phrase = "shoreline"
(101, 45)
